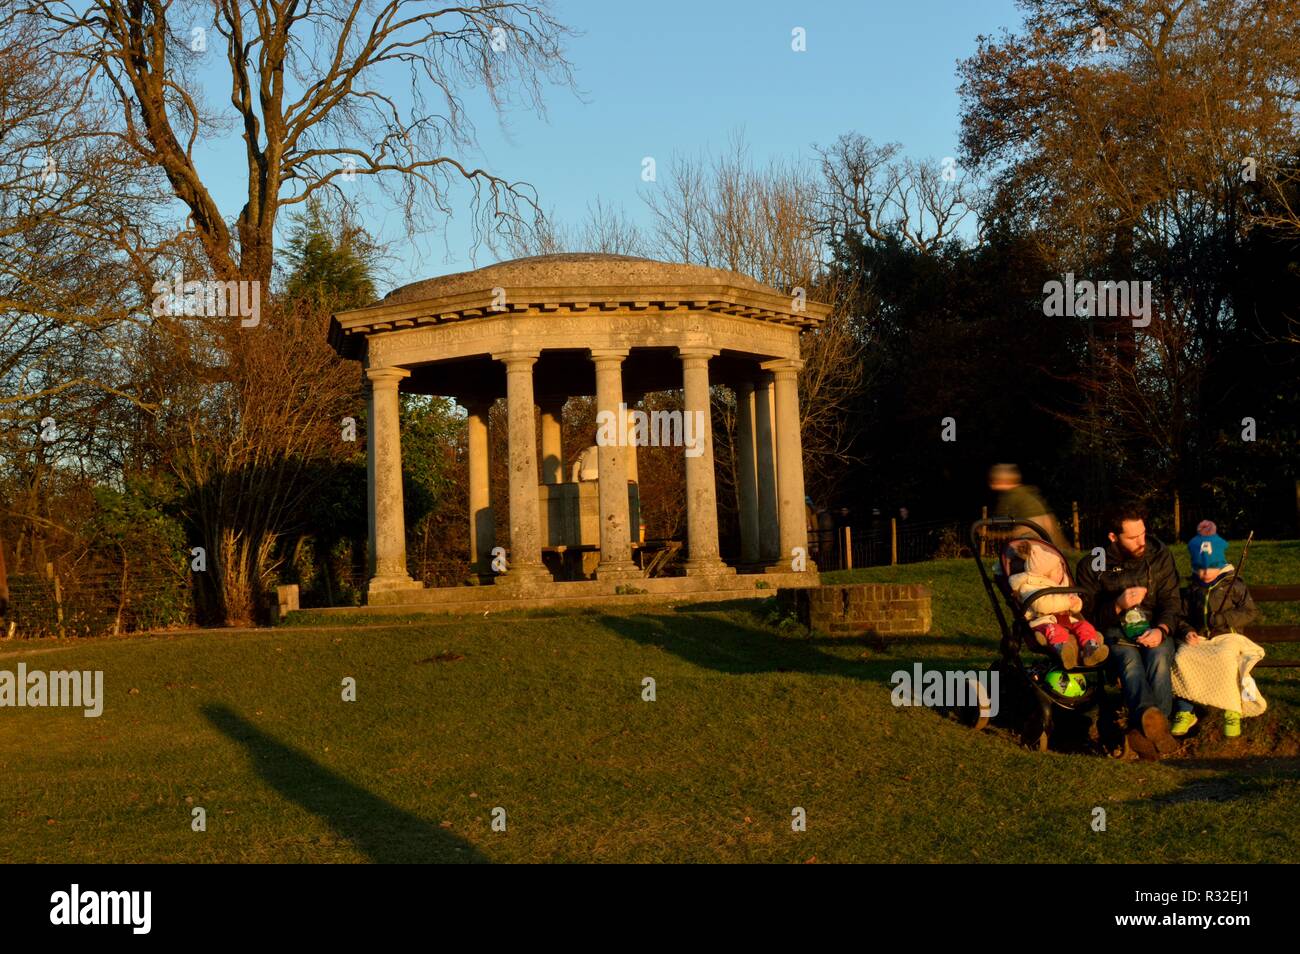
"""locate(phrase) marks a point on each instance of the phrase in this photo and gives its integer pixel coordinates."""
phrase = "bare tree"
(312, 90)
(762, 221)
(868, 188)
(74, 215)
(679, 209)
(545, 235)
(77, 239)
(608, 229)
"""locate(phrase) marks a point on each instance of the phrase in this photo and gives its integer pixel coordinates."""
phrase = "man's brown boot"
(1141, 746)
(1095, 653)
(1156, 728)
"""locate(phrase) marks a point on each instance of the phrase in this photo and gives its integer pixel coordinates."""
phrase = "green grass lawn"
(542, 715)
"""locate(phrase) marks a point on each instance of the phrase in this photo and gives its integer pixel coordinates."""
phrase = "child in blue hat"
(1215, 601)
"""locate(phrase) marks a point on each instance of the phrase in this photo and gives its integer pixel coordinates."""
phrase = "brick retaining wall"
(856, 609)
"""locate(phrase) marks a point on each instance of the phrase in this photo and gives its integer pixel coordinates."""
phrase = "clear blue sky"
(675, 76)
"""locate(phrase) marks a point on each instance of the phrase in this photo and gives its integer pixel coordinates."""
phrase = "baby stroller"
(1037, 695)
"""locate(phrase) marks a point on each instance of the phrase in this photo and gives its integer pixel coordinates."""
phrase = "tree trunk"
(4, 582)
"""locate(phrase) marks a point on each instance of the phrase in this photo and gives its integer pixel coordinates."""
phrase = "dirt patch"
(1263, 739)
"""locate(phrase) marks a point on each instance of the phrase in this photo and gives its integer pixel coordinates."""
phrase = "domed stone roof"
(580, 283)
(589, 269)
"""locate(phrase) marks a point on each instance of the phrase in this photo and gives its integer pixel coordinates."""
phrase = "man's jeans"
(1145, 673)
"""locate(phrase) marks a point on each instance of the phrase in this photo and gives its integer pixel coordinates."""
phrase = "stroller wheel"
(1034, 732)
(975, 713)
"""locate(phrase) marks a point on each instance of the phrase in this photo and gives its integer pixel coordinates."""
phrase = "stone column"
(384, 467)
(635, 518)
(701, 493)
(615, 537)
(747, 473)
(791, 509)
(629, 449)
(482, 528)
(525, 565)
(552, 416)
(769, 528)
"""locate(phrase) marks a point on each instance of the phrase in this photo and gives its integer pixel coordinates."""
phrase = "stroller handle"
(1052, 591)
(1005, 523)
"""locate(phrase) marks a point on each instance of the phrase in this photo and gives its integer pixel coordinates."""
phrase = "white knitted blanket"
(1216, 672)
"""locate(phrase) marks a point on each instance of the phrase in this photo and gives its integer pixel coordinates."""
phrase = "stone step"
(578, 595)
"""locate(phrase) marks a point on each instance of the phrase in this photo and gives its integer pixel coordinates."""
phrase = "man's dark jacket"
(1155, 570)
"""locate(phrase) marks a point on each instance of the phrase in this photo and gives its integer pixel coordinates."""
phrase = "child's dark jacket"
(1224, 606)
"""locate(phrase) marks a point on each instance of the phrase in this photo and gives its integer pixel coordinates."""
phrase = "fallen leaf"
(443, 657)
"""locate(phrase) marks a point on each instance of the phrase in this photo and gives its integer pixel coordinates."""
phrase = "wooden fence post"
(4, 579)
(984, 532)
(58, 598)
(1178, 518)
(847, 543)
(1078, 543)
(893, 541)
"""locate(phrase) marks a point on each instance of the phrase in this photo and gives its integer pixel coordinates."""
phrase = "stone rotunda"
(539, 330)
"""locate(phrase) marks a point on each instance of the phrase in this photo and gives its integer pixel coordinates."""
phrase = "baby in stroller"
(1035, 566)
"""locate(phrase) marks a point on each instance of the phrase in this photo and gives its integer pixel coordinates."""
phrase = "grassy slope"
(543, 715)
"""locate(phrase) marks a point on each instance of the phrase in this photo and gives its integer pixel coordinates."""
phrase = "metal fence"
(897, 541)
(94, 603)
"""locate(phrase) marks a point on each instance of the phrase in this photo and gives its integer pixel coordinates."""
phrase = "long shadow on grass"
(726, 646)
(378, 829)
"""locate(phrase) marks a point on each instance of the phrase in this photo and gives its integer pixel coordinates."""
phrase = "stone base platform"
(582, 594)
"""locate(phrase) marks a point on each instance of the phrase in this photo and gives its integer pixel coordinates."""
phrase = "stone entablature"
(424, 343)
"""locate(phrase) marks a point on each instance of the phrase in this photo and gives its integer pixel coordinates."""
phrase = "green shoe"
(1183, 721)
(1231, 724)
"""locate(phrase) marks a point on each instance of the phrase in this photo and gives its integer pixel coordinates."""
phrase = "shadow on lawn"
(378, 829)
(758, 611)
(726, 646)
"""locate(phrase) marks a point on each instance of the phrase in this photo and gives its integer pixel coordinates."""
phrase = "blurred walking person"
(1022, 502)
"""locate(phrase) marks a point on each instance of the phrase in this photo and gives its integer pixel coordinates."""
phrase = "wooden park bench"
(658, 555)
(1275, 632)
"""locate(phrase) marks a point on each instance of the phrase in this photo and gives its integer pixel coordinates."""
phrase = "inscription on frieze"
(614, 329)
